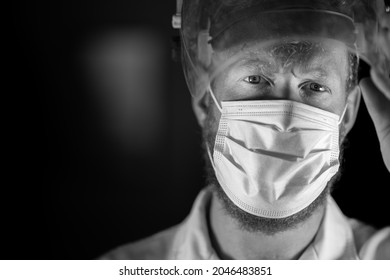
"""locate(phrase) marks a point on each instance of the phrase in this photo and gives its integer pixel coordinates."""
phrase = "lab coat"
(337, 238)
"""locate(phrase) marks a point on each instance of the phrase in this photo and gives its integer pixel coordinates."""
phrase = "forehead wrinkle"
(317, 71)
(262, 65)
(287, 55)
(319, 67)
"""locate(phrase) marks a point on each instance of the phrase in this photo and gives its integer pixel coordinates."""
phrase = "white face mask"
(275, 157)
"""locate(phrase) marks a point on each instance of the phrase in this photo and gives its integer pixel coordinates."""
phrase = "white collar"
(334, 239)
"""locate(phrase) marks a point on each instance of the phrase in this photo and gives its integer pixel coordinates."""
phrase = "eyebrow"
(314, 66)
(256, 64)
(317, 72)
(320, 68)
(268, 68)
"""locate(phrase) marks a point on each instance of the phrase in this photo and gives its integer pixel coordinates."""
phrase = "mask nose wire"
(215, 99)
(343, 114)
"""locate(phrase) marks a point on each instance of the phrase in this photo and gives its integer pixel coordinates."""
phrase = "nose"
(285, 88)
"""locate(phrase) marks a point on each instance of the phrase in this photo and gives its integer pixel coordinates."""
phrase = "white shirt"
(337, 238)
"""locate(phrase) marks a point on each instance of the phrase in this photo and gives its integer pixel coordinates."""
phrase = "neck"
(232, 242)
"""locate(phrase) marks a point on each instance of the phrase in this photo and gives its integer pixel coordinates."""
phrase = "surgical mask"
(274, 157)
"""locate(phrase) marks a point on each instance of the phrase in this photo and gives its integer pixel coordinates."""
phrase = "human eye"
(256, 79)
(313, 87)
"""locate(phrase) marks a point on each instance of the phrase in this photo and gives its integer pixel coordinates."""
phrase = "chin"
(268, 226)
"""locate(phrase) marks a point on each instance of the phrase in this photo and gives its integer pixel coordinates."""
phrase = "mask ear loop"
(343, 114)
(220, 110)
(215, 99)
(210, 156)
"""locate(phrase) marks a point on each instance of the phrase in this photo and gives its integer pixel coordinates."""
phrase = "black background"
(63, 199)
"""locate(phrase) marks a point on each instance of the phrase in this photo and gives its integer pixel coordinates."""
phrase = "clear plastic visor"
(280, 40)
(283, 24)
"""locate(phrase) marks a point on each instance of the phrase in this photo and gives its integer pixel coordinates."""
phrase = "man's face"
(308, 71)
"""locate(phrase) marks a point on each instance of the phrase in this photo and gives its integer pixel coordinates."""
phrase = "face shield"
(217, 34)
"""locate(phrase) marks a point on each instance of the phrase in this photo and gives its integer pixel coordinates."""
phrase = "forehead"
(306, 54)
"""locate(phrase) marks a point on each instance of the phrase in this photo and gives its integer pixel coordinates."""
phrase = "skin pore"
(310, 72)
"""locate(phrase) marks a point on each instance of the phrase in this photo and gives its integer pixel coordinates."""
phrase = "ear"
(353, 103)
(200, 105)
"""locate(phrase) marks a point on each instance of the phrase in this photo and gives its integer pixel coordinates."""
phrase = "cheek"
(334, 102)
(335, 106)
